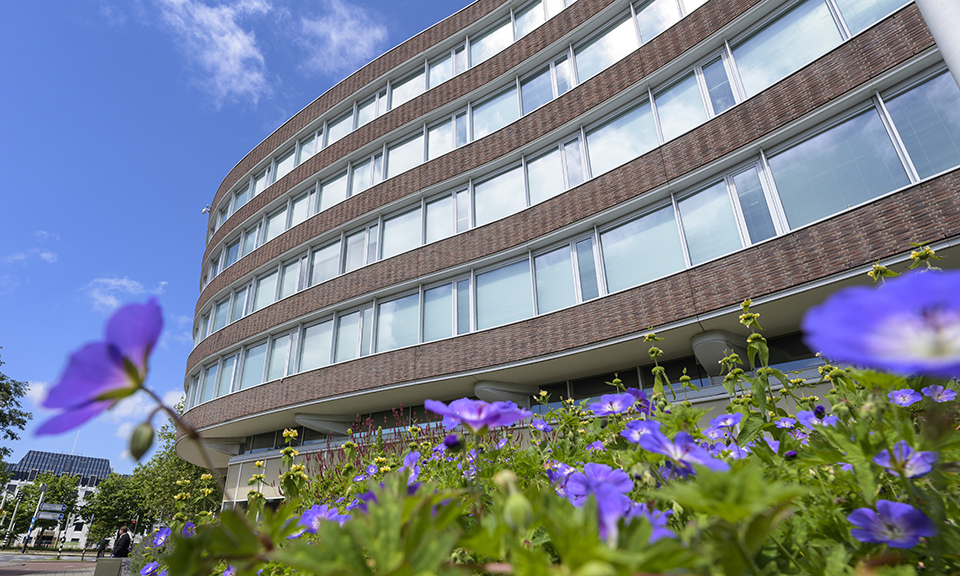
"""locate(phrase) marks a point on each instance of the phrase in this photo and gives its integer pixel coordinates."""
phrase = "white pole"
(943, 20)
(43, 492)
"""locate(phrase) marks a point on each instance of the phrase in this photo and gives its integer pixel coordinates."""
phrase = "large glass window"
(572, 157)
(607, 48)
(362, 176)
(504, 295)
(439, 218)
(441, 70)
(859, 14)
(209, 383)
(680, 107)
(250, 240)
(718, 86)
(709, 225)
(241, 197)
(536, 90)
(587, 270)
(348, 332)
(325, 263)
(299, 209)
(490, 42)
(276, 224)
(528, 18)
(226, 375)
(641, 250)
(401, 233)
(405, 155)
(545, 176)
(786, 45)
(316, 345)
(354, 254)
(231, 253)
(220, 315)
(438, 313)
(308, 147)
(928, 120)
(366, 110)
(279, 352)
(398, 323)
(289, 279)
(339, 128)
(239, 304)
(266, 291)
(259, 182)
(440, 139)
(842, 167)
(406, 90)
(753, 205)
(622, 139)
(499, 196)
(555, 282)
(655, 16)
(333, 192)
(495, 113)
(284, 164)
(254, 359)
(463, 306)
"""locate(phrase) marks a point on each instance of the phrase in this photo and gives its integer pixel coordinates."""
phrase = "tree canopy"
(60, 490)
(118, 501)
(13, 418)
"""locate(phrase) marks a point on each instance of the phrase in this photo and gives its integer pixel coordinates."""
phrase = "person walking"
(121, 548)
(101, 547)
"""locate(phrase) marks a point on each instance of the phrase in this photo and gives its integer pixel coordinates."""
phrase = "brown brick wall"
(872, 232)
(897, 39)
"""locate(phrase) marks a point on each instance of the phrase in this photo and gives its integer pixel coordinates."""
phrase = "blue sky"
(118, 121)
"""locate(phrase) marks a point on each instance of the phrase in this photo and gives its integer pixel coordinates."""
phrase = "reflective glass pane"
(204, 325)
(439, 218)
(401, 233)
(680, 108)
(441, 70)
(440, 139)
(536, 91)
(500, 196)
(489, 43)
(354, 254)
(239, 304)
(285, 164)
(691, 5)
(503, 295)
(438, 313)
(315, 349)
(362, 177)
(253, 362)
(528, 18)
(406, 90)
(463, 210)
(366, 111)
(860, 14)
(259, 183)
(461, 125)
(753, 205)
(372, 238)
(555, 6)
(276, 224)
(641, 250)
(708, 224)
(398, 323)
(598, 54)
(339, 128)
(574, 162)
(718, 86)
(241, 197)
(220, 316)
(279, 349)
(656, 16)
(308, 147)
(366, 330)
(587, 270)
(463, 306)
(289, 279)
(622, 139)
(545, 176)
(266, 291)
(325, 263)
(842, 167)
(232, 253)
(555, 286)
(226, 376)
(300, 210)
(495, 113)
(249, 240)
(928, 120)
(565, 79)
(209, 383)
(348, 332)
(333, 192)
(404, 156)
(785, 45)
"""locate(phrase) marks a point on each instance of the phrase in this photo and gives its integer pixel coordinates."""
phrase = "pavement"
(46, 565)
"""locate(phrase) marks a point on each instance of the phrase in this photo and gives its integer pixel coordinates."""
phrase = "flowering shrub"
(863, 480)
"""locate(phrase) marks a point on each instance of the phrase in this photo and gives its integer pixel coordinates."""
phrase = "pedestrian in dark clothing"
(121, 548)
(101, 547)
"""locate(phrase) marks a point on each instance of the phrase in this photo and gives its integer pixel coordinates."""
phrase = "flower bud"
(790, 455)
(819, 411)
(505, 480)
(453, 443)
(141, 440)
(518, 512)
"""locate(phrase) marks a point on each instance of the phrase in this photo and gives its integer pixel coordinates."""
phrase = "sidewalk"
(45, 568)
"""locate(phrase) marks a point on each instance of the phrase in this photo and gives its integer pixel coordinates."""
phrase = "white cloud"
(105, 292)
(23, 257)
(44, 235)
(37, 392)
(342, 39)
(50, 257)
(15, 257)
(228, 61)
(124, 430)
(8, 283)
(172, 398)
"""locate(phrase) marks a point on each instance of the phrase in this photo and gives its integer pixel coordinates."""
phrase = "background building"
(89, 472)
(510, 200)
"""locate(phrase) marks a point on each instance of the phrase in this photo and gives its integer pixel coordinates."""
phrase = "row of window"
(883, 144)
(685, 102)
(474, 49)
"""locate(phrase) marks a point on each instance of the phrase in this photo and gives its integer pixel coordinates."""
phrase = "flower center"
(931, 334)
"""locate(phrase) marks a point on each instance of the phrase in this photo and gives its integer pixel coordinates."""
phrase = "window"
(440, 139)
(573, 160)
(254, 359)
(489, 43)
(299, 209)
(709, 225)
(231, 253)
(848, 164)
(859, 14)
(308, 147)
(204, 323)
(504, 295)
(405, 155)
(239, 304)
(250, 239)
(366, 174)
(401, 233)
(641, 250)
(586, 269)
(398, 322)
(220, 314)
(406, 90)
(289, 279)
(279, 351)
(610, 46)
(276, 224)
(333, 192)
(927, 118)
(226, 375)
(718, 86)
(266, 291)
(622, 139)
(783, 46)
(366, 110)
(440, 220)
(325, 263)
(753, 205)
(655, 16)
(680, 107)
(441, 70)
(529, 18)
(555, 280)
(360, 248)
(536, 90)
(316, 345)
(209, 383)
(545, 176)
(438, 313)
(259, 183)
(354, 331)
(339, 128)
(500, 196)
(285, 164)
(241, 197)
(495, 113)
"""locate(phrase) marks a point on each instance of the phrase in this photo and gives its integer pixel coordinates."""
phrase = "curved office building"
(510, 200)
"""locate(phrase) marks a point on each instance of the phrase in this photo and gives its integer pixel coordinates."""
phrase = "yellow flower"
(206, 477)
(258, 463)
(290, 433)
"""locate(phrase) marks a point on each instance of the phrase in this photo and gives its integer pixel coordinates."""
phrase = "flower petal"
(134, 330)
(91, 371)
(71, 418)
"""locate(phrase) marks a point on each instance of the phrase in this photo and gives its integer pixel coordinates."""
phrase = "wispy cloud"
(8, 283)
(105, 293)
(23, 257)
(230, 65)
(342, 39)
(44, 235)
(37, 392)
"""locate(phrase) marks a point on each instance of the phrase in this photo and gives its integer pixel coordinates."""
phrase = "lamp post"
(43, 492)
(19, 499)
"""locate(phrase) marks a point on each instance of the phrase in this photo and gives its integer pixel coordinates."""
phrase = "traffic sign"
(49, 516)
(48, 507)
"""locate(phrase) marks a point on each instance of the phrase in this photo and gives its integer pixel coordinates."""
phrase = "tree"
(60, 490)
(117, 501)
(12, 417)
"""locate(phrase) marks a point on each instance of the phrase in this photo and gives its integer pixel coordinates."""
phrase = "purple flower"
(906, 461)
(773, 444)
(502, 443)
(894, 524)
(541, 425)
(610, 404)
(643, 405)
(452, 442)
(904, 397)
(101, 373)
(789, 454)
(715, 433)
(189, 530)
(909, 325)
(809, 419)
(411, 463)
(150, 569)
(230, 571)
(612, 505)
(658, 518)
(785, 423)
(558, 472)
(726, 420)
(311, 518)
(581, 484)
(477, 415)
(939, 393)
(161, 537)
(736, 452)
(683, 451)
(637, 428)
(598, 445)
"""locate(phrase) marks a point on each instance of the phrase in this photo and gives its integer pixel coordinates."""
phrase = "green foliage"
(12, 416)
(60, 490)
(117, 501)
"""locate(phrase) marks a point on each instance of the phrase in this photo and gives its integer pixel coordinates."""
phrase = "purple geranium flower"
(906, 461)
(477, 415)
(541, 425)
(230, 571)
(161, 537)
(189, 530)
(150, 569)
(785, 422)
(581, 484)
(610, 404)
(311, 518)
(909, 325)
(809, 419)
(904, 397)
(894, 524)
(715, 433)
(411, 463)
(736, 452)
(637, 428)
(726, 420)
(101, 373)
(683, 451)
(658, 518)
(598, 445)
(939, 393)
